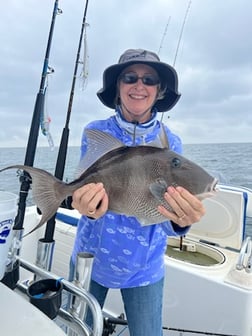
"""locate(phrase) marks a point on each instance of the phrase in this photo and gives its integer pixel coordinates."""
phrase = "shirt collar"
(133, 128)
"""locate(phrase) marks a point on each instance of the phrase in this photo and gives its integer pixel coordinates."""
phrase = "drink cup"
(8, 210)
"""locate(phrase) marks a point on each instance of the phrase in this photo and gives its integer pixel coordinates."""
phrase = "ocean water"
(230, 163)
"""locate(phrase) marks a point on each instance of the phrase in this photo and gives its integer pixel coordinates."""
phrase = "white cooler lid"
(224, 222)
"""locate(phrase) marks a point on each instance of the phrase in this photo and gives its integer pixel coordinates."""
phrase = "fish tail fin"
(48, 192)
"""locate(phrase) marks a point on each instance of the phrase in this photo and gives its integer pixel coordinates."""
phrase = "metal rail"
(246, 250)
(73, 322)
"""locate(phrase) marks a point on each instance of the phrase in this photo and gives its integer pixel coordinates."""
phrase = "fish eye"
(176, 163)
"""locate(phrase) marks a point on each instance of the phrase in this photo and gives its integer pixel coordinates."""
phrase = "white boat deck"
(204, 298)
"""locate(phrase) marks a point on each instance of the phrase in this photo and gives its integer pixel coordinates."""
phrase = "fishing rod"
(61, 159)
(181, 32)
(164, 34)
(11, 276)
(179, 41)
(34, 129)
(110, 324)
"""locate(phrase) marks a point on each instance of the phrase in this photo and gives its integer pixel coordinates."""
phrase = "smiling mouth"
(137, 97)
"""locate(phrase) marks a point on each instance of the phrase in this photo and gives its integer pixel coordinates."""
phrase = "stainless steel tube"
(246, 249)
(82, 277)
(15, 248)
(83, 269)
(45, 254)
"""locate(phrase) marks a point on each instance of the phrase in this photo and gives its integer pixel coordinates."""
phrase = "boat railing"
(71, 321)
(245, 256)
(249, 263)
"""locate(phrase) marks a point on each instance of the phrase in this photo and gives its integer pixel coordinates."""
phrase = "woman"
(129, 256)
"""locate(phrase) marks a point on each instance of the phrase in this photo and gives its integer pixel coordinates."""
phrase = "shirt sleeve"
(173, 229)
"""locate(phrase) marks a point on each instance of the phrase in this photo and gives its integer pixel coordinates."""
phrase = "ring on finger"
(182, 217)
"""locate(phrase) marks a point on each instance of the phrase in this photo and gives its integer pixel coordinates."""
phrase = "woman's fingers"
(186, 208)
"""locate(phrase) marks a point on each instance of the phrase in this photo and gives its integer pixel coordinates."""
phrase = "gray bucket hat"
(167, 75)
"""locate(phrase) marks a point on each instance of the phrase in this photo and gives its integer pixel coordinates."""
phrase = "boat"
(208, 283)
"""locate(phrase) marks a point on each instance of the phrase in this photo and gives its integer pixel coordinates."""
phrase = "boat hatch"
(194, 253)
(224, 222)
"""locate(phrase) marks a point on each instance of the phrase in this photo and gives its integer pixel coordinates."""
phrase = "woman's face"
(138, 98)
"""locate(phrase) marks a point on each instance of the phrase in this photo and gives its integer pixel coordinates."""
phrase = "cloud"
(213, 63)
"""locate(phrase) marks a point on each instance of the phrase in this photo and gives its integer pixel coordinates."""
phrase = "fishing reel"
(110, 323)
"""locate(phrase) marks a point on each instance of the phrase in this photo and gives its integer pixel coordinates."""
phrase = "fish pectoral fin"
(158, 188)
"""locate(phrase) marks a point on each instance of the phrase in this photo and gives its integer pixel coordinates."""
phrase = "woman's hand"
(91, 200)
(187, 209)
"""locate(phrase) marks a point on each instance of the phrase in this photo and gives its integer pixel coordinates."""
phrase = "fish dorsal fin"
(98, 144)
(161, 141)
(163, 137)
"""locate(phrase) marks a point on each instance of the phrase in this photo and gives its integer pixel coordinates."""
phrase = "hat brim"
(167, 74)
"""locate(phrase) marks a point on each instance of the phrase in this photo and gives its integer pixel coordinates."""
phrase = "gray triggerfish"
(135, 178)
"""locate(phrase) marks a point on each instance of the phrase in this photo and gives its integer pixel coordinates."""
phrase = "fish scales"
(126, 174)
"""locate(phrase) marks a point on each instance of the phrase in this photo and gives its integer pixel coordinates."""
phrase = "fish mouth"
(213, 185)
(210, 190)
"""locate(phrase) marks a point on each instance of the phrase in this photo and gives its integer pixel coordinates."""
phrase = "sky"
(207, 41)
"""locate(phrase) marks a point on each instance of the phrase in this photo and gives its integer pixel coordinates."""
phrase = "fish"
(135, 178)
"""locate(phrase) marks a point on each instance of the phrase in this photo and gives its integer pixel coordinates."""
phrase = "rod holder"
(15, 249)
(45, 254)
(82, 278)
(83, 269)
(11, 276)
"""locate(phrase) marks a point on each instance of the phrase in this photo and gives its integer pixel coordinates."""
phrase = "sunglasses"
(132, 78)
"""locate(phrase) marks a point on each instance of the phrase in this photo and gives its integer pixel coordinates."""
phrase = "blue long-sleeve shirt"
(126, 254)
